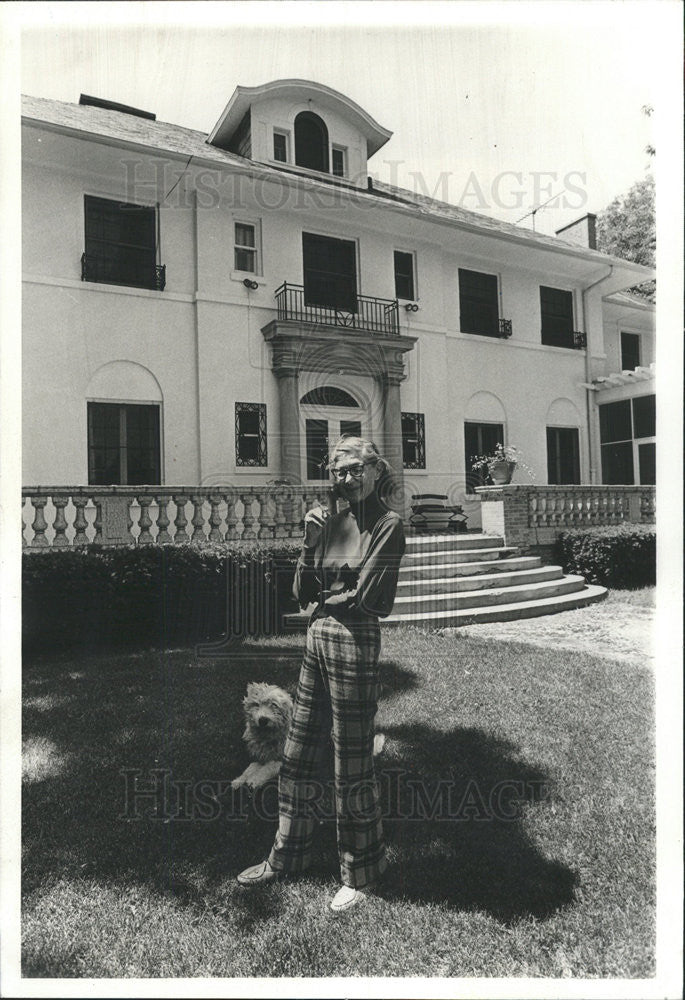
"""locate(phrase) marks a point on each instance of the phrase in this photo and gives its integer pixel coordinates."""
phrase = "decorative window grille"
(250, 434)
(246, 247)
(413, 441)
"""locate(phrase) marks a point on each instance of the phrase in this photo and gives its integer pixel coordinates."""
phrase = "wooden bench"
(430, 512)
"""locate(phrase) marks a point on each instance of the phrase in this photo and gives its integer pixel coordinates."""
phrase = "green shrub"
(622, 555)
(153, 596)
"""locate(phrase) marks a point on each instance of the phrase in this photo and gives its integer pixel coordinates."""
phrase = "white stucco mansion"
(201, 309)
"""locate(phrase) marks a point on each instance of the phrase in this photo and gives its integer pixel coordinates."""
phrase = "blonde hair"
(363, 448)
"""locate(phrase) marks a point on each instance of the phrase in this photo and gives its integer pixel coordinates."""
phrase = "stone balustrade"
(532, 516)
(69, 516)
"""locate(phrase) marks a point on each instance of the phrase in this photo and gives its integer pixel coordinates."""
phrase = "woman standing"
(349, 565)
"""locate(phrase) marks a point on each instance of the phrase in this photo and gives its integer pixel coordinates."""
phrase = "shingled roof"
(177, 140)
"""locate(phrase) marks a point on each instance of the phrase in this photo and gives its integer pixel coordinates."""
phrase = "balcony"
(371, 315)
(130, 272)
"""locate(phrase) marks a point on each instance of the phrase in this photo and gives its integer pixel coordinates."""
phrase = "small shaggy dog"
(268, 711)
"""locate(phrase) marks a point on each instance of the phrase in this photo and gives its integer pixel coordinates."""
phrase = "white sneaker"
(346, 897)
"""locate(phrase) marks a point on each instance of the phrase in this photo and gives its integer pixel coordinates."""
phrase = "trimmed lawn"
(518, 792)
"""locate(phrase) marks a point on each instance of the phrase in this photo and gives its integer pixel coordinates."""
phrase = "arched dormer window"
(311, 142)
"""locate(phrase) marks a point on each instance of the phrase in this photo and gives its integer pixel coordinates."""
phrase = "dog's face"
(268, 709)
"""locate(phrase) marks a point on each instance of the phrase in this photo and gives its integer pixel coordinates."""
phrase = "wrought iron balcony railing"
(370, 313)
(579, 340)
(121, 272)
(504, 328)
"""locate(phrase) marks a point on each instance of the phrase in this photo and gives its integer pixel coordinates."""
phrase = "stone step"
(501, 612)
(463, 555)
(488, 597)
(437, 584)
(429, 570)
(452, 543)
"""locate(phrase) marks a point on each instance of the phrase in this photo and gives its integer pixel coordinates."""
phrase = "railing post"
(180, 521)
(60, 522)
(198, 520)
(248, 517)
(39, 523)
(145, 521)
(163, 522)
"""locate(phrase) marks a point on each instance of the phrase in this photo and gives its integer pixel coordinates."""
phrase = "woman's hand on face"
(314, 521)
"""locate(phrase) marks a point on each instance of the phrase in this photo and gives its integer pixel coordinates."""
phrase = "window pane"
(280, 148)
(330, 273)
(563, 456)
(617, 464)
(120, 243)
(614, 422)
(244, 235)
(245, 260)
(630, 351)
(353, 428)
(479, 439)
(338, 163)
(404, 275)
(644, 416)
(317, 449)
(647, 460)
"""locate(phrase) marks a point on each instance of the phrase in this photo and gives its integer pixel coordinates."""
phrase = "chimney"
(582, 232)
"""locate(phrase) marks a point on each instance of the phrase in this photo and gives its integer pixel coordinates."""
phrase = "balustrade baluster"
(180, 521)
(198, 520)
(97, 523)
(39, 523)
(144, 521)
(280, 520)
(80, 522)
(249, 519)
(60, 522)
(163, 521)
(533, 515)
(215, 502)
(266, 517)
(231, 518)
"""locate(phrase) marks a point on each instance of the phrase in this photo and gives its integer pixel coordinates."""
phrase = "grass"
(537, 859)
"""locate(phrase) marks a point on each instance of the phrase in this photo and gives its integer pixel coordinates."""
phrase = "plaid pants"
(338, 683)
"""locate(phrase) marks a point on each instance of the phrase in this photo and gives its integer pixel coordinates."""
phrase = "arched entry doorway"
(327, 413)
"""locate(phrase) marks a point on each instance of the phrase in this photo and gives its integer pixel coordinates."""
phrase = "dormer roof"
(297, 90)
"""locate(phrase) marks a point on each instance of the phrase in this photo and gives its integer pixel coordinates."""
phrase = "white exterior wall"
(200, 340)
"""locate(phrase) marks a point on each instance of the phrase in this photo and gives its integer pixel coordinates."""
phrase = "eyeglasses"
(356, 471)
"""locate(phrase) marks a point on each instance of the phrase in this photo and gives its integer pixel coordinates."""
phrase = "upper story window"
(478, 303)
(311, 142)
(630, 351)
(556, 309)
(246, 251)
(281, 147)
(404, 275)
(339, 161)
(330, 272)
(121, 244)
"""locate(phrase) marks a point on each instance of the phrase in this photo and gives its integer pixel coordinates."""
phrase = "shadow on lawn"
(451, 800)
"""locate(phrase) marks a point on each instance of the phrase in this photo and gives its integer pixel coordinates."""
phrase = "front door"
(320, 435)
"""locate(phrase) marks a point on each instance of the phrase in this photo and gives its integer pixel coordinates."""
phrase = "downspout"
(588, 399)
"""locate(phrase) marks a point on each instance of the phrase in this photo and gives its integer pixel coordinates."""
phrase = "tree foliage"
(627, 228)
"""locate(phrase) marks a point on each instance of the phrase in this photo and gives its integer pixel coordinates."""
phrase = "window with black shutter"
(123, 444)
(630, 351)
(556, 309)
(478, 303)
(404, 275)
(479, 439)
(121, 244)
(250, 434)
(563, 456)
(330, 272)
(413, 441)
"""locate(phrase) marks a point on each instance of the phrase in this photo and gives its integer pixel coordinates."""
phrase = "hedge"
(619, 556)
(153, 596)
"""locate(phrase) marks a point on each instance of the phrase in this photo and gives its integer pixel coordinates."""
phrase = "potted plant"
(500, 465)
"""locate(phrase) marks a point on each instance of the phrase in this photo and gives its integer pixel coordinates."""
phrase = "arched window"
(328, 395)
(311, 142)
